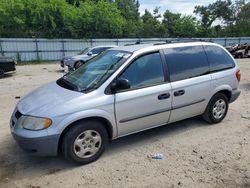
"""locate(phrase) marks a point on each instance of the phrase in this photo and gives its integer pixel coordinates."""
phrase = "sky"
(176, 6)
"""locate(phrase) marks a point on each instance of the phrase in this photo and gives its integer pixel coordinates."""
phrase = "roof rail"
(136, 43)
(182, 41)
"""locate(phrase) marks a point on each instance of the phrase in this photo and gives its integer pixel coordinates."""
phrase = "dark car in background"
(7, 64)
(239, 50)
(75, 61)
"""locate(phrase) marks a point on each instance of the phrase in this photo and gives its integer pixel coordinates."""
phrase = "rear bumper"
(235, 95)
(42, 146)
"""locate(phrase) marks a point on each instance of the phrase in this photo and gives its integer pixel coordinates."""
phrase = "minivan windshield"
(92, 74)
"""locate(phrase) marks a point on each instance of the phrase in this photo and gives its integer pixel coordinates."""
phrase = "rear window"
(186, 62)
(218, 58)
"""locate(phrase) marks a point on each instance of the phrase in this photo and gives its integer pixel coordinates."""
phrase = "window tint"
(218, 58)
(186, 62)
(98, 50)
(145, 71)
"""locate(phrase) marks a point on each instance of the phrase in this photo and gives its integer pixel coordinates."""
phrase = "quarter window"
(218, 58)
(186, 62)
(145, 71)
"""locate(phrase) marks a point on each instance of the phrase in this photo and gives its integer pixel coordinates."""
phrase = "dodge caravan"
(123, 91)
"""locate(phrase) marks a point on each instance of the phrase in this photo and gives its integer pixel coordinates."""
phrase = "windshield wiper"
(71, 85)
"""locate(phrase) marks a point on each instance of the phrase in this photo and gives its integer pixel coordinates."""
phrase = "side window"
(218, 58)
(145, 71)
(97, 50)
(186, 62)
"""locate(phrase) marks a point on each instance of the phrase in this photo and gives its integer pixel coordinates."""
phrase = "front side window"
(86, 50)
(97, 50)
(218, 58)
(186, 62)
(145, 71)
(93, 73)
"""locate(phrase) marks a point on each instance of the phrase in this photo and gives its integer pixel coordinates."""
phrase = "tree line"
(119, 19)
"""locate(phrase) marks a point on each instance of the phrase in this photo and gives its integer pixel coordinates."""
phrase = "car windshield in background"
(84, 51)
(92, 74)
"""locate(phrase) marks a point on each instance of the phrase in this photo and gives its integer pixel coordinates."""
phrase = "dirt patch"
(245, 87)
(7, 171)
(195, 154)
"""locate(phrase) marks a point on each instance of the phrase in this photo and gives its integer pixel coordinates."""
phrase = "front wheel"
(217, 109)
(85, 142)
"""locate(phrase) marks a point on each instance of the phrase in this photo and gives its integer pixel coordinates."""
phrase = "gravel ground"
(195, 154)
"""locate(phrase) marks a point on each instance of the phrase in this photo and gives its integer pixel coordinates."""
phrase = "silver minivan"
(123, 91)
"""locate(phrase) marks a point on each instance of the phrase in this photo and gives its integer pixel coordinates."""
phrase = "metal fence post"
(1, 48)
(63, 47)
(117, 42)
(225, 44)
(37, 52)
(239, 40)
(91, 42)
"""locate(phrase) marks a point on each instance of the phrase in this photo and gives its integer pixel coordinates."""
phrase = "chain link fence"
(54, 49)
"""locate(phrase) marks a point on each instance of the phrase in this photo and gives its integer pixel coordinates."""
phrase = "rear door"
(190, 80)
(148, 102)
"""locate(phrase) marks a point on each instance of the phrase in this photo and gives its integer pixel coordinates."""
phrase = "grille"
(18, 114)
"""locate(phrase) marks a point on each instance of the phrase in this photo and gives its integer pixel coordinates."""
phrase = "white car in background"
(74, 62)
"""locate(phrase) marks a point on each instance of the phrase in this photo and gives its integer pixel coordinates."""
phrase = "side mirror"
(121, 84)
(90, 54)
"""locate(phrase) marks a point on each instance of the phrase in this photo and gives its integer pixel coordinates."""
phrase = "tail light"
(238, 75)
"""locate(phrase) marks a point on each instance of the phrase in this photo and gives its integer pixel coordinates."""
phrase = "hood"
(45, 99)
(81, 57)
(6, 59)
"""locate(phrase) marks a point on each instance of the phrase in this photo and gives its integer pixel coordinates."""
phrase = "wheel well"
(79, 61)
(106, 123)
(227, 93)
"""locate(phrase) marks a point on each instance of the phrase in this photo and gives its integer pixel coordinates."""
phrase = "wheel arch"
(79, 60)
(107, 124)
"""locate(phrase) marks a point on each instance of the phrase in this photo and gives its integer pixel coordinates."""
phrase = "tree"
(221, 10)
(151, 26)
(130, 12)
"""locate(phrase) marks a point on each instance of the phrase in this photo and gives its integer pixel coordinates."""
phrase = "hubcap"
(87, 144)
(219, 109)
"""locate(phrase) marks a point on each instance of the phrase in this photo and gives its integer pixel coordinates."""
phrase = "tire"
(217, 109)
(78, 64)
(85, 142)
(1, 73)
(240, 56)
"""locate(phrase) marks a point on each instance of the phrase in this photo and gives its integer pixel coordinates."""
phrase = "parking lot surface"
(195, 154)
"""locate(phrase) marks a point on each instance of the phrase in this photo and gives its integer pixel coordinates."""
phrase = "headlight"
(35, 123)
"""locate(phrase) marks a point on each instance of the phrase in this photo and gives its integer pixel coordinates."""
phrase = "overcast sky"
(176, 6)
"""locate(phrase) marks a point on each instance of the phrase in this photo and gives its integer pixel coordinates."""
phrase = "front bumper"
(42, 146)
(62, 64)
(235, 95)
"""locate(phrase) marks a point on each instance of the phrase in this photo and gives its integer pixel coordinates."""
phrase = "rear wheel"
(217, 109)
(85, 142)
(78, 64)
(1, 73)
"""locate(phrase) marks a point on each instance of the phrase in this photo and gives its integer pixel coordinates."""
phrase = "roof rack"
(181, 41)
(136, 43)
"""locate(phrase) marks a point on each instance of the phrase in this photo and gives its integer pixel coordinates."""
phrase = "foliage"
(119, 18)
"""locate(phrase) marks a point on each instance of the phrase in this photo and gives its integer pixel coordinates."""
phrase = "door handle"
(179, 93)
(164, 96)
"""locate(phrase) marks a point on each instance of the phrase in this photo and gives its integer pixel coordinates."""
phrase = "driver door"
(147, 103)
